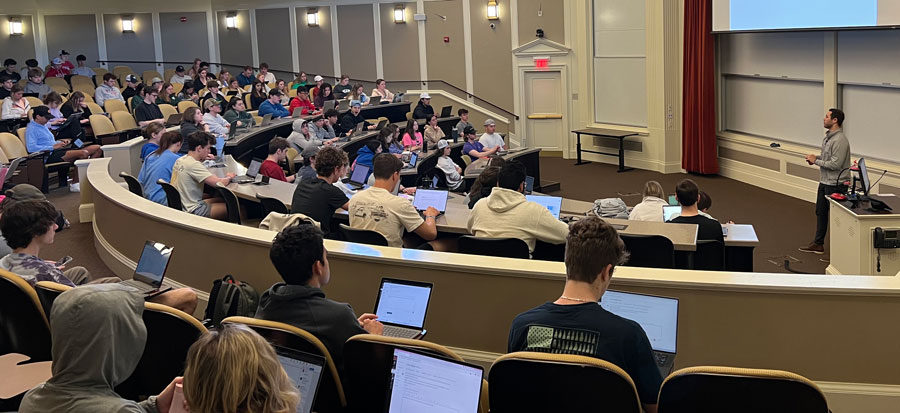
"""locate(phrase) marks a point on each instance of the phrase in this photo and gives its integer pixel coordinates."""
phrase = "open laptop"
(413, 158)
(398, 98)
(232, 130)
(298, 111)
(671, 211)
(658, 316)
(252, 171)
(401, 306)
(7, 172)
(151, 268)
(305, 370)
(423, 382)
(529, 185)
(174, 120)
(445, 111)
(673, 200)
(436, 198)
(381, 124)
(552, 203)
(359, 128)
(328, 105)
(343, 105)
(357, 179)
(265, 120)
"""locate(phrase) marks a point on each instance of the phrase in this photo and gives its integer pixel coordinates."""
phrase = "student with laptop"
(433, 132)
(277, 154)
(379, 209)
(189, 176)
(351, 119)
(450, 169)
(473, 147)
(272, 106)
(593, 250)
(505, 213)
(318, 198)
(158, 165)
(147, 111)
(688, 194)
(651, 206)
(299, 255)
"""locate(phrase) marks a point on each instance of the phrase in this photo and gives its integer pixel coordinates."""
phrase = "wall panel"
(273, 41)
(399, 44)
(183, 41)
(534, 14)
(314, 43)
(491, 58)
(235, 45)
(446, 61)
(18, 47)
(74, 33)
(357, 44)
(130, 46)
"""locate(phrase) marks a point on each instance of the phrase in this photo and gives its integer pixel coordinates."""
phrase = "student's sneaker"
(76, 187)
(814, 248)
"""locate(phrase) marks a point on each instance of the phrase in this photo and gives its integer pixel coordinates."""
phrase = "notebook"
(423, 382)
(671, 211)
(305, 370)
(658, 316)
(436, 198)
(151, 268)
(401, 306)
(252, 171)
(552, 203)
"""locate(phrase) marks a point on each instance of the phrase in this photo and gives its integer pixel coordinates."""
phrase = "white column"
(101, 39)
(467, 43)
(157, 42)
(253, 38)
(335, 42)
(295, 52)
(379, 54)
(40, 39)
(423, 55)
(212, 31)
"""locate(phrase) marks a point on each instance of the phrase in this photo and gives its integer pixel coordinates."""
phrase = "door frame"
(565, 107)
(560, 58)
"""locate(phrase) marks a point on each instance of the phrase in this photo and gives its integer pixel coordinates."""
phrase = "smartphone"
(64, 260)
(177, 405)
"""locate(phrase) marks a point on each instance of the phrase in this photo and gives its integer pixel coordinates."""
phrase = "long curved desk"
(840, 330)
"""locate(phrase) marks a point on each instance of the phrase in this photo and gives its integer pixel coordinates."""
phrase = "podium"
(851, 232)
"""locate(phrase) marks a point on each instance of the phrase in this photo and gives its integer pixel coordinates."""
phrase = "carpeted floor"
(782, 223)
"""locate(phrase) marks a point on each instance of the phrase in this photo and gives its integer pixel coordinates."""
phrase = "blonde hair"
(653, 188)
(234, 370)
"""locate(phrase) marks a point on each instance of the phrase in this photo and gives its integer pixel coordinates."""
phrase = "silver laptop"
(552, 203)
(401, 306)
(423, 382)
(436, 198)
(151, 268)
(252, 171)
(658, 316)
(343, 105)
(265, 120)
(305, 370)
(328, 105)
(413, 158)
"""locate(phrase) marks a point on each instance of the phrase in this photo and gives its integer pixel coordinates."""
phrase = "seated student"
(342, 89)
(324, 94)
(688, 193)
(300, 257)
(273, 106)
(188, 93)
(15, 106)
(158, 165)
(189, 176)
(474, 148)
(463, 122)
(53, 101)
(354, 117)
(451, 170)
(36, 83)
(76, 104)
(38, 138)
(108, 90)
(66, 64)
(237, 111)
(378, 209)
(82, 69)
(505, 213)
(30, 64)
(704, 204)
(277, 154)
(301, 82)
(308, 171)
(593, 250)
(382, 92)
(233, 88)
(412, 138)
(56, 69)
(321, 129)
(281, 86)
(268, 77)
(366, 155)
(213, 93)
(314, 90)
(485, 182)
(29, 226)
(651, 206)
(133, 87)
(389, 140)
(9, 70)
(331, 117)
(257, 94)
(357, 93)
(148, 111)
(191, 121)
(218, 126)
(318, 198)
(302, 101)
(90, 327)
(423, 109)
(152, 133)
(201, 81)
(179, 76)
(301, 138)
(491, 138)
(167, 95)
(433, 133)
(6, 85)
(246, 76)
(251, 381)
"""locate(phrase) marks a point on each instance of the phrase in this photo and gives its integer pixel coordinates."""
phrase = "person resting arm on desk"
(382, 92)
(318, 198)
(189, 176)
(353, 118)
(273, 106)
(277, 154)
(474, 148)
(237, 111)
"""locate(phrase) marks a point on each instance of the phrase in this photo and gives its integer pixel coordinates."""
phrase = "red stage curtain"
(698, 148)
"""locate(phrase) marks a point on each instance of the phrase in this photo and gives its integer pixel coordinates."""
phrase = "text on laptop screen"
(658, 316)
(305, 374)
(430, 198)
(253, 170)
(359, 174)
(552, 203)
(671, 211)
(153, 262)
(403, 304)
(421, 383)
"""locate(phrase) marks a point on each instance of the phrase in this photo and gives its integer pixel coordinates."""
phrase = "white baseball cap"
(443, 144)
(425, 95)
(318, 78)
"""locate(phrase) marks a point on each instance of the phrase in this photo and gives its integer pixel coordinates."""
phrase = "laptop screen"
(671, 211)
(359, 174)
(658, 316)
(305, 371)
(402, 302)
(413, 158)
(425, 198)
(529, 184)
(151, 267)
(426, 383)
(253, 170)
(552, 203)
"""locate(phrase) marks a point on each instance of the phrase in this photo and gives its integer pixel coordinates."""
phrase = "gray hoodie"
(98, 339)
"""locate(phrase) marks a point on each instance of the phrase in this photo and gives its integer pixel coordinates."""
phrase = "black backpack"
(230, 297)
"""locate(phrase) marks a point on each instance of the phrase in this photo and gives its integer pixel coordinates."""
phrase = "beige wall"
(399, 44)
(17, 47)
(357, 44)
(177, 35)
(446, 61)
(491, 59)
(314, 44)
(73, 34)
(235, 45)
(551, 20)
(273, 40)
(137, 46)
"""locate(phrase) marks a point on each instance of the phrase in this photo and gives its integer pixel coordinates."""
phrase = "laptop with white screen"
(401, 306)
(252, 171)
(552, 203)
(658, 316)
(421, 382)
(670, 212)
(305, 370)
(151, 268)
(436, 198)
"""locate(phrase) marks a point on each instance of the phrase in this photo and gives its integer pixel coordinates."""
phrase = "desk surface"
(862, 211)
(477, 166)
(612, 133)
(246, 133)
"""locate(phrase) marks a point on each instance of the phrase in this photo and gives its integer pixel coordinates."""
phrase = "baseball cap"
(489, 122)
(63, 52)
(208, 103)
(443, 144)
(318, 78)
(424, 95)
(43, 111)
(131, 78)
(25, 192)
(179, 69)
(355, 103)
(56, 61)
(469, 130)
(156, 80)
(310, 152)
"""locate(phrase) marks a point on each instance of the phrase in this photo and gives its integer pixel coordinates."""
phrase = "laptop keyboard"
(399, 332)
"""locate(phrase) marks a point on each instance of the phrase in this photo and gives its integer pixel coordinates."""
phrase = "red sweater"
(307, 106)
(272, 170)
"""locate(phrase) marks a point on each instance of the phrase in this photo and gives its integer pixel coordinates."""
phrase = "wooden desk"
(254, 142)
(604, 133)
(394, 112)
(530, 157)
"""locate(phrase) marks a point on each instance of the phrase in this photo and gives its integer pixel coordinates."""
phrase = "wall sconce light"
(312, 17)
(493, 12)
(231, 21)
(15, 27)
(128, 24)
(399, 14)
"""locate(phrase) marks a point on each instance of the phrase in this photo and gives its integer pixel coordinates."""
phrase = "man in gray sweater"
(834, 169)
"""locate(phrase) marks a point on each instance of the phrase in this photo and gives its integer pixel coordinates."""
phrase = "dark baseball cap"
(131, 78)
(469, 130)
(42, 111)
(179, 69)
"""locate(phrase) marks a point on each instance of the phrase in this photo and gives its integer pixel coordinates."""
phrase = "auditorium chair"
(170, 333)
(129, 102)
(133, 185)
(114, 105)
(104, 131)
(98, 74)
(94, 107)
(167, 74)
(14, 148)
(367, 359)
(58, 85)
(546, 251)
(710, 255)
(173, 198)
(494, 247)
(33, 102)
(232, 205)
(363, 236)
(47, 292)
(271, 205)
(25, 329)
(330, 397)
(177, 87)
(185, 104)
(124, 122)
(291, 155)
(739, 390)
(167, 110)
(541, 382)
(651, 251)
(148, 76)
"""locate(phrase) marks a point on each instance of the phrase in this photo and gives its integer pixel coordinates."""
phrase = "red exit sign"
(541, 62)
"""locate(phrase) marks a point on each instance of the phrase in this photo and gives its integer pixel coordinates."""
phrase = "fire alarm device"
(446, 39)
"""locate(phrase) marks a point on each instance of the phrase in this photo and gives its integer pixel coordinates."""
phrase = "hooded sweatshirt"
(299, 141)
(507, 214)
(650, 209)
(98, 337)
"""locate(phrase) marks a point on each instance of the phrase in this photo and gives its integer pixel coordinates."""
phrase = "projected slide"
(744, 15)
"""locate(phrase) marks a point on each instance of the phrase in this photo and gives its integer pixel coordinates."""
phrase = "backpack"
(230, 297)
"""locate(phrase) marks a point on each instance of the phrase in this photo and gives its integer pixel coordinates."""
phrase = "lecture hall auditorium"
(449, 205)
